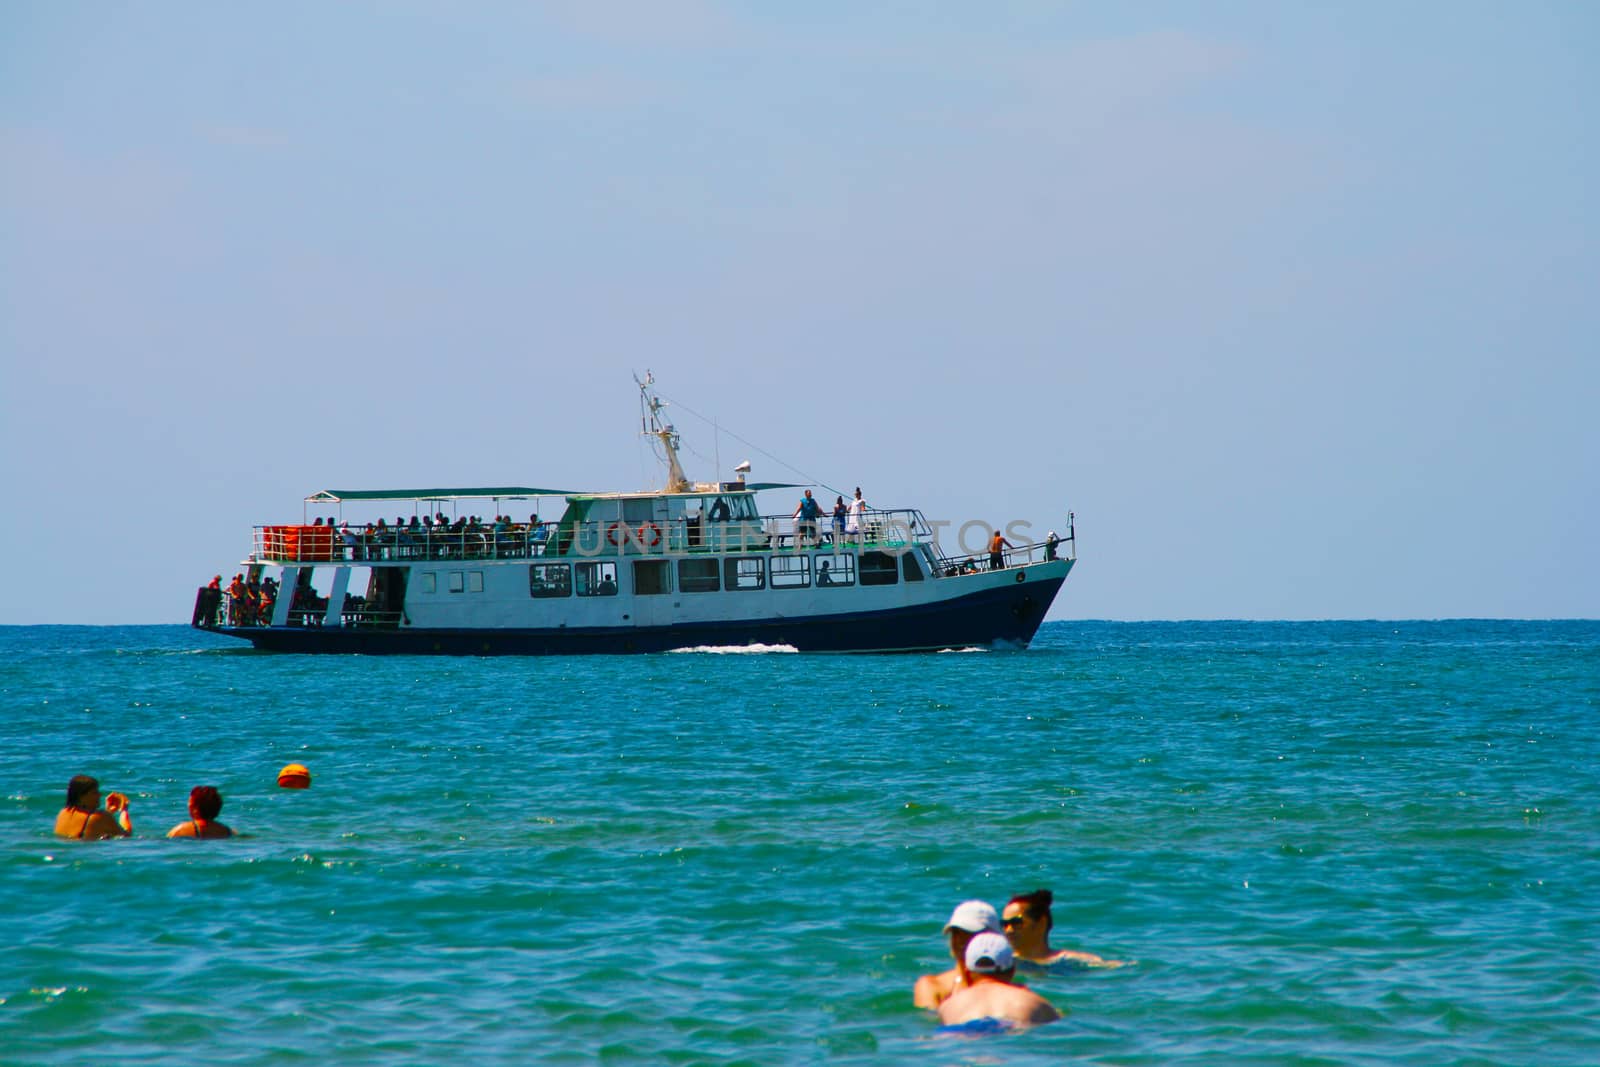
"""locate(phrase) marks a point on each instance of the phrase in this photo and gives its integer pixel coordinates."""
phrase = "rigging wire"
(750, 444)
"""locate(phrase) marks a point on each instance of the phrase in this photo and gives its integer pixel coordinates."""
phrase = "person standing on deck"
(997, 546)
(807, 515)
(857, 519)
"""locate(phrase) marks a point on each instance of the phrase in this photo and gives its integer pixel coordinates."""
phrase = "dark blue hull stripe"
(1011, 614)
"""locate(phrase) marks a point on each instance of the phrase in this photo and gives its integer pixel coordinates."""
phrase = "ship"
(691, 565)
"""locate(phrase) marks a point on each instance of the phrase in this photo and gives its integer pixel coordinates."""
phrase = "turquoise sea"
(1342, 843)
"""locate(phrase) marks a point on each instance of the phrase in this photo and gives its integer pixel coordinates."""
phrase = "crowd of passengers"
(250, 603)
(437, 537)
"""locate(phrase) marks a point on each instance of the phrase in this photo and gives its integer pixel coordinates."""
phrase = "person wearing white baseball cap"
(990, 998)
(970, 917)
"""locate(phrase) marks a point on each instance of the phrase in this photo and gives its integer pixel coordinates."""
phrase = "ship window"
(550, 579)
(430, 582)
(458, 581)
(878, 568)
(698, 575)
(743, 574)
(909, 567)
(652, 577)
(597, 579)
(791, 572)
(474, 581)
(836, 570)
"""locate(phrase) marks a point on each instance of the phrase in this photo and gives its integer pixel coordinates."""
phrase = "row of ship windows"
(655, 576)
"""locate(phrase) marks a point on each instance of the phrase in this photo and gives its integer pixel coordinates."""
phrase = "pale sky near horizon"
(1295, 306)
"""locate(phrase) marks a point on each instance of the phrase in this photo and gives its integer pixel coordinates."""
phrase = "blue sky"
(1294, 308)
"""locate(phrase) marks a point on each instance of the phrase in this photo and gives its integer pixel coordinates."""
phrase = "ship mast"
(651, 424)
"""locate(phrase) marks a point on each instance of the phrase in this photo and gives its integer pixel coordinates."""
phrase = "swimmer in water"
(970, 917)
(83, 818)
(205, 804)
(1027, 924)
(990, 994)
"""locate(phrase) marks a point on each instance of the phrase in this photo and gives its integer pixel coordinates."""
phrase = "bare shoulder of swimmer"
(932, 990)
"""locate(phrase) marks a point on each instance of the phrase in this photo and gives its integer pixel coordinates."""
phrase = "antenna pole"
(661, 430)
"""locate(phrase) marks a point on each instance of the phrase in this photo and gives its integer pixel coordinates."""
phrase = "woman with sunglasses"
(1026, 922)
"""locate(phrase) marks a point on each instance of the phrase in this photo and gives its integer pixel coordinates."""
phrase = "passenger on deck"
(252, 599)
(824, 575)
(83, 818)
(719, 511)
(1027, 926)
(989, 993)
(858, 514)
(352, 545)
(540, 535)
(205, 804)
(208, 602)
(807, 515)
(236, 601)
(1051, 543)
(997, 546)
(840, 513)
(970, 918)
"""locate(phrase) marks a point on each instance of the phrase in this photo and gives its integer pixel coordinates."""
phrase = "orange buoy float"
(294, 776)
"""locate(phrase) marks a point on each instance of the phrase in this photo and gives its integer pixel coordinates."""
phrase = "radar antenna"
(651, 424)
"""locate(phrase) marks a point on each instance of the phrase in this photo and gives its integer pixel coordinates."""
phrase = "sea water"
(1366, 842)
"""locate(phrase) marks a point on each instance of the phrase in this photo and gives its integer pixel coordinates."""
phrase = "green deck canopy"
(338, 496)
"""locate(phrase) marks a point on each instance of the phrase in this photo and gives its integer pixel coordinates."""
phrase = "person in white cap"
(970, 917)
(989, 992)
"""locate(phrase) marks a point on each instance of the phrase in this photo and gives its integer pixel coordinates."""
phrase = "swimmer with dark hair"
(83, 817)
(205, 804)
(1027, 922)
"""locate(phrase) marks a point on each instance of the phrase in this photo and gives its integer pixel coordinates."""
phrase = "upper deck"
(611, 534)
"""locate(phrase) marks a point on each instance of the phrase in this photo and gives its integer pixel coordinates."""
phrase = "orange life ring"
(613, 533)
(654, 537)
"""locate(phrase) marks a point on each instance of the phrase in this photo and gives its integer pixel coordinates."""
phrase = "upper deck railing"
(896, 529)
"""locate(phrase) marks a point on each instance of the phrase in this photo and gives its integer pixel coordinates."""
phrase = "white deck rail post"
(280, 606)
(341, 582)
